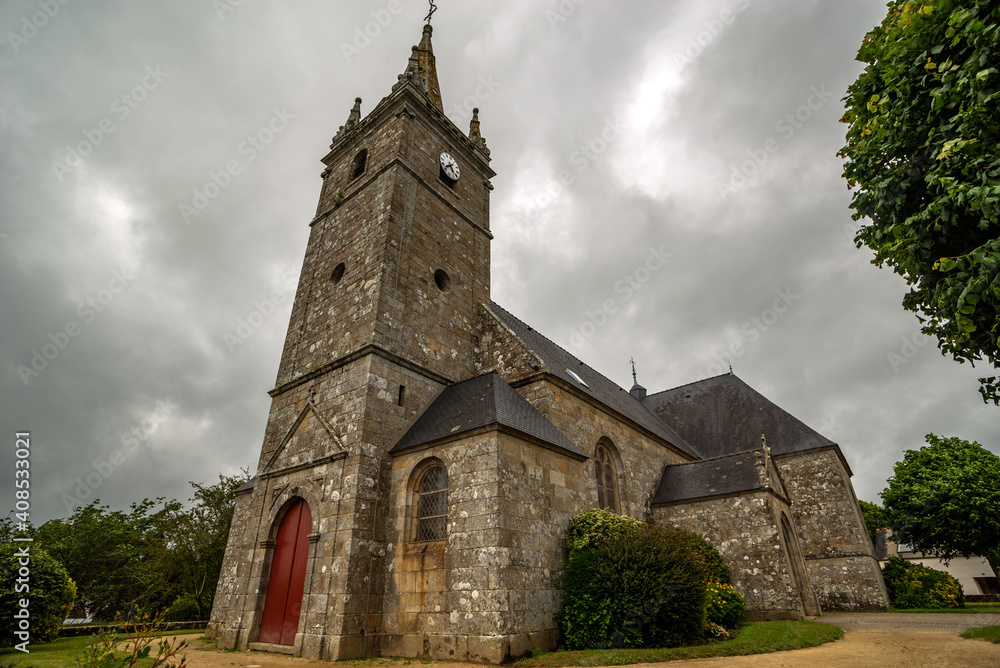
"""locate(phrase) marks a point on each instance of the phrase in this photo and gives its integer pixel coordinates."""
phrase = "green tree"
(108, 554)
(47, 587)
(190, 563)
(875, 518)
(921, 151)
(944, 499)
(158, 555)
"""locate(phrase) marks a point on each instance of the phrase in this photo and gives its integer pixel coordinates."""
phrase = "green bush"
(724, 605)
(913, 585)
(593, 527)
(50, 594)
(631, 585)
(712, 563)
(183, 609)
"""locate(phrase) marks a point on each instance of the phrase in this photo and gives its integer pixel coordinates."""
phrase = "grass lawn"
(753, 638)
(62, 652)
(991, 633)
(969, 607)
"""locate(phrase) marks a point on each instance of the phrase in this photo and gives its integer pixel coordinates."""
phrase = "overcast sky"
(697, 137)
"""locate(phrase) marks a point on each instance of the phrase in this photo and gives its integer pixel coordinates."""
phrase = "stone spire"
(412, 74)
(352, 119)
(428, 69)
(474, 134)
(354, 116)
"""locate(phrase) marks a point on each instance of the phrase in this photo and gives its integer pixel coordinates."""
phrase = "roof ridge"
(709, 459)
(539, 333)
(694, 382)
(681, 443)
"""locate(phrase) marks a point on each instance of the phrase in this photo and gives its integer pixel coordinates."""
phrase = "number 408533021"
(22, 450)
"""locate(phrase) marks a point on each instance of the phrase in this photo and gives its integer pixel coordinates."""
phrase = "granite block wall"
(839, 555)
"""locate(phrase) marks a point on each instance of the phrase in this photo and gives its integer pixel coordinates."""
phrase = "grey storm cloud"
(160, 166)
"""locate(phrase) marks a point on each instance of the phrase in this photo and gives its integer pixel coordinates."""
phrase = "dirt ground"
(858, 649)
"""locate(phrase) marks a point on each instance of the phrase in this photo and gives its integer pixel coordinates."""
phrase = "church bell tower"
(395, 270)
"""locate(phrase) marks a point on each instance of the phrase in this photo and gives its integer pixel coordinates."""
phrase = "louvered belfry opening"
(432, 513)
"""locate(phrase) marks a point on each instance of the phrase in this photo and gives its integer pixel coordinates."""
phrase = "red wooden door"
(283, 603)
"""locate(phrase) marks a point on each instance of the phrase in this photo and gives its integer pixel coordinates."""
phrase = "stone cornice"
(369, 349)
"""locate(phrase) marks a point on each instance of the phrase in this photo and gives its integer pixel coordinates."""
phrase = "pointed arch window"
(432, 505)
(607, 479)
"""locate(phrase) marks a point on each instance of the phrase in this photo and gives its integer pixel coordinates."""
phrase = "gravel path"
(901, 621)
(871, 640)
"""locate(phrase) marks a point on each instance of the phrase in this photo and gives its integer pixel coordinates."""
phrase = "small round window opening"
(338, 273)
(442, 280)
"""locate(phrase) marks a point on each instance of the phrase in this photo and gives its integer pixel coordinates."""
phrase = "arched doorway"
(283, 603)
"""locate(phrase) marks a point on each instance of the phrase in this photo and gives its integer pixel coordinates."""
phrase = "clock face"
(450, 167)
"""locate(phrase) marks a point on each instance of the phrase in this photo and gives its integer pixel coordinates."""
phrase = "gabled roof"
(602, 389)
(711, 477)
(480, 402)
(723, 415)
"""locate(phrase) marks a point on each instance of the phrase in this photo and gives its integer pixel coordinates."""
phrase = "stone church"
(426, 449)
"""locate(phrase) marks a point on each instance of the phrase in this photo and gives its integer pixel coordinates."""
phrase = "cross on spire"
(632, 361)
(433, 8)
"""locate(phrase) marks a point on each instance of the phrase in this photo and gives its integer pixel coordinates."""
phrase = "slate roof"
(723, 415)
(603, 389)
(711, 477)
(480, 402)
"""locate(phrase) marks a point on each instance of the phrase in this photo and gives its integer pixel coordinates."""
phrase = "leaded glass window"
(604, 468)
(432, 505)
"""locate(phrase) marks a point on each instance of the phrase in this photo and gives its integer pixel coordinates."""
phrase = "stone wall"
(443, 599)
(495, 578)
(744, 528)
(838, 551)
(640, 459)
